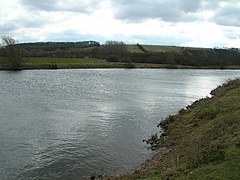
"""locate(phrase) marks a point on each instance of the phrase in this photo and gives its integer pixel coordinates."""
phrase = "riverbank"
(62, 63)
(201, 142)
(87, 63)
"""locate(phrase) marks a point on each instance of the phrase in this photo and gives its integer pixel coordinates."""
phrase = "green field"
(65, 63)
(200, 142)
(78, 63)
(70, 63)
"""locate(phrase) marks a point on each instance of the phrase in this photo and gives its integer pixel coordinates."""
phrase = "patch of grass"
(212, 155)
(134, 49)
(228, 169)
(154, 48)
(159, 48)
(66, 63)
(3, 60)
(238, 142)
(61, 60)
(207, 113)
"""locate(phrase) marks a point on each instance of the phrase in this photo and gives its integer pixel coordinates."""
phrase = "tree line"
(191, 57)
(115, 51)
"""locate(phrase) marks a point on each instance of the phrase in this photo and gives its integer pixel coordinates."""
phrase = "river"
(58, 124)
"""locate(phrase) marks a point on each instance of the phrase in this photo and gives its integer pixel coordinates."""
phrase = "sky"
(195, 23)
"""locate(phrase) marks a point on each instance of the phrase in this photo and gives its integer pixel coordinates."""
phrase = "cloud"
(85, 6)
(22, 22)
(31, 20)
(228, 16)
(224, 12)
(232, 34)
(169, 11)
(49, 5)
(7, 27)
(176, 22)
(160, 39)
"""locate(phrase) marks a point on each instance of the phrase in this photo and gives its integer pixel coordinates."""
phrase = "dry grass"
(158, 48)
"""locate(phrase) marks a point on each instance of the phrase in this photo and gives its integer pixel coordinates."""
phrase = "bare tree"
(7, 41)
(13, 52)
(115, 49)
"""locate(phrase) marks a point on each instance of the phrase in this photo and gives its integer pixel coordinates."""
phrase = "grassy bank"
(201, 142)
(64, 63)
(70, 63)
(78, 63)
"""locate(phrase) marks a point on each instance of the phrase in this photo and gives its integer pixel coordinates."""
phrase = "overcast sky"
(199, 23)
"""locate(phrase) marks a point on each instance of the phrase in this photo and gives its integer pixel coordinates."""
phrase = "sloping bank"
(200, 142)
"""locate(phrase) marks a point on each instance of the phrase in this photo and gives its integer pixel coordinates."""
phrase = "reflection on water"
(69, 123)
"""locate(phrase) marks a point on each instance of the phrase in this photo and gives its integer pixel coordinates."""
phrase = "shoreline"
(91, 63)
(197, 139)
(110, 65)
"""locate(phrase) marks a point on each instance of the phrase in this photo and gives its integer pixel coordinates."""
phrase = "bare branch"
(7, 41)
(13, 53)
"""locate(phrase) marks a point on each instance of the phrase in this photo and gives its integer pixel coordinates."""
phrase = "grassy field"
(201, 142)
(78, 63)
(71, 63)
(66, 63)
(75, 63)
(158, 48)
(134, 49)
(162, 48)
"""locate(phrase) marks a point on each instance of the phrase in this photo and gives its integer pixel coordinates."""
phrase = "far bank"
(85, 63)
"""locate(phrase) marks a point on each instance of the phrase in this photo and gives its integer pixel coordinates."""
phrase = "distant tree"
(114, 50)
(13, 52)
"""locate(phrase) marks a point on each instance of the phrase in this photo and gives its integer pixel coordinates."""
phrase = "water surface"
(57, 124)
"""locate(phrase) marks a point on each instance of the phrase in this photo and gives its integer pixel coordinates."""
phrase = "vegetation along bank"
(201, 142)
(112, 54)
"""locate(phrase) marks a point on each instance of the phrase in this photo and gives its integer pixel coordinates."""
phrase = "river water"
(63, 124)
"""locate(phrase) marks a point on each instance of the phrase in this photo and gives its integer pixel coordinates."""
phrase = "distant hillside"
(171, 49)
(114, 51)
(154, 48)
(174, 55)
(52, 46)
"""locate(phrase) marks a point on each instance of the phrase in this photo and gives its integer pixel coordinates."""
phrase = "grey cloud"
(228, 16)
(46, 5)
(230, 34)
(30, 21)
(189, 5)
(211, 4)
(226, 12)
(60, 5)
(7, 27)
(216, 4)
(33, 21)
(172, 11)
